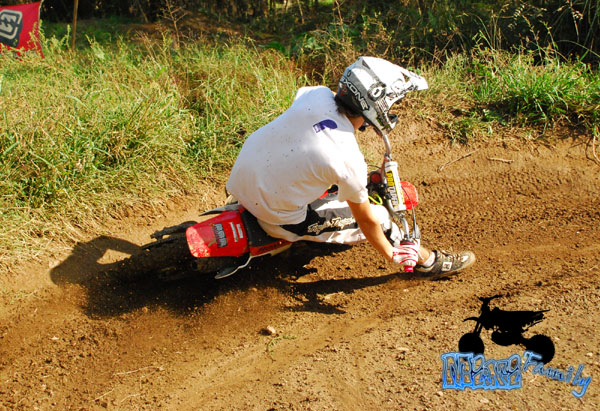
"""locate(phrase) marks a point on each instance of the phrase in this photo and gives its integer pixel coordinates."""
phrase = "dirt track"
(352, 333)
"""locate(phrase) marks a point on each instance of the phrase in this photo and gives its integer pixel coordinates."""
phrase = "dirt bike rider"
(285, 166)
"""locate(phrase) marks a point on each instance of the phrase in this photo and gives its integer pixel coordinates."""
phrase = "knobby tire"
(167, 260)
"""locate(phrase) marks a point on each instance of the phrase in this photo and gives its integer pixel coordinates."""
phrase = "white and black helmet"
(371, 86)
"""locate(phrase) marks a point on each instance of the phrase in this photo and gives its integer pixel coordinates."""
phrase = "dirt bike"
(508, 328)
(231, 237)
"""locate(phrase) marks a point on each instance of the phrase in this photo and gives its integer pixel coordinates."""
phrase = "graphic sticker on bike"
(220, 235)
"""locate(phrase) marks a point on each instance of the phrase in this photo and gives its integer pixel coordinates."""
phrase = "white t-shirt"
(290, 162)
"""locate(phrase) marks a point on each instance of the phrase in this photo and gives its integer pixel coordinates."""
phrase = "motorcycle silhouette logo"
(11, 24)
(508, 328)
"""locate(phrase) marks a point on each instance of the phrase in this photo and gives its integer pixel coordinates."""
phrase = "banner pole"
(75, 7)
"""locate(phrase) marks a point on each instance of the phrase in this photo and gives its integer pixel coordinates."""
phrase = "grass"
(478, 92)
(537, 93)
(83, 133)
(123, 121)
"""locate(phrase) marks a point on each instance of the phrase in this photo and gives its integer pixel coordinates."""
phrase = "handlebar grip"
(408, 268)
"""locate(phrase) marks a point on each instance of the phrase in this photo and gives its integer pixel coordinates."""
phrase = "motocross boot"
(446, 264)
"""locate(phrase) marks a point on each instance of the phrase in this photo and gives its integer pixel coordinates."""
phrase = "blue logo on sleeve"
(322, 125)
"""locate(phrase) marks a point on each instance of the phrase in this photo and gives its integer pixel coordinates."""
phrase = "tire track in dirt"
(259, 364)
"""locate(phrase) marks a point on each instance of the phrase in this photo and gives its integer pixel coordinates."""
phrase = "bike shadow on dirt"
(85, 261)
(106, 297)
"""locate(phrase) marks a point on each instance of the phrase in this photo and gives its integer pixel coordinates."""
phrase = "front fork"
(394, 199)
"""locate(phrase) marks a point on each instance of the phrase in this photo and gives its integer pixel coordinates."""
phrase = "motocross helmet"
(371, 86)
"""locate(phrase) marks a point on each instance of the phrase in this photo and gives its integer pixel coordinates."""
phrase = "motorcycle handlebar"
(488, 299)
(386, 142)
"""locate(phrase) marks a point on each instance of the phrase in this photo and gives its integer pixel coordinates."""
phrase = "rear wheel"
(215, 264)
(167, 258)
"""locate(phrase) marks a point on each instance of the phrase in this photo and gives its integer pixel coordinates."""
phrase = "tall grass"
(541, 93)
(476, 93)
(83, 133)
(231, 92)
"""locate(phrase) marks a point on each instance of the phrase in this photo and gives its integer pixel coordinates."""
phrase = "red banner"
(19, 27)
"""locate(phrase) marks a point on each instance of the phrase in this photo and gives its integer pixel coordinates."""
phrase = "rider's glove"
(406, 254)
